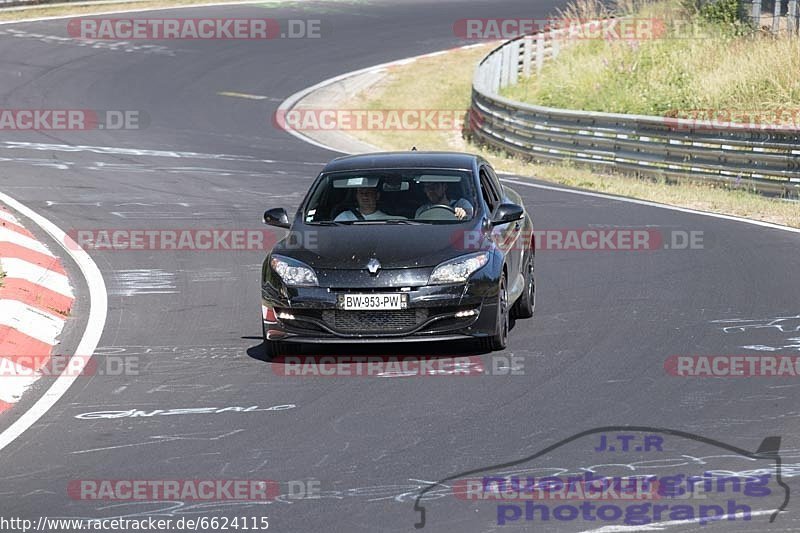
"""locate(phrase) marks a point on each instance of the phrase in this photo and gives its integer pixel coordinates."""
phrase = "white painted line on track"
(49, 279)
(648, 203)
(98, 310)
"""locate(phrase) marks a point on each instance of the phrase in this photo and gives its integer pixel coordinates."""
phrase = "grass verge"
(421, 85)
(704, 60)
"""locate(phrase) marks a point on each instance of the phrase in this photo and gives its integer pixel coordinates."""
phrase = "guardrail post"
(792, 17)
(514, 67)
(505, 66)
(539, 52)
(755, 14)
(556, 46)
(496, 70)
(526, 55)
(776, 16)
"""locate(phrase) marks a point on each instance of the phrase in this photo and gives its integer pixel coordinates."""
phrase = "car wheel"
(499, 340)
(527, 300)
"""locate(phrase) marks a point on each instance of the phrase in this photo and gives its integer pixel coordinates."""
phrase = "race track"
(593, 355)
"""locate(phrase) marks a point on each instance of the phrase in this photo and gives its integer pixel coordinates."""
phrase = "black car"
(401, 246)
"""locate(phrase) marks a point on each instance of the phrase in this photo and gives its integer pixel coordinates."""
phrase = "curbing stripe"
(30, 321)
(49, 262)
(17, 268)
(98, 312)
(35, 296)
(13, 343)
(16, 228)
(7, 235)
(8, 217)
(14, 381)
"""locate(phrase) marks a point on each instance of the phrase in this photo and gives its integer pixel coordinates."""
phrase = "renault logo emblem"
(373, 266)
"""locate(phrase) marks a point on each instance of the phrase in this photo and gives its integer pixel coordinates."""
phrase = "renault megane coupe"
(395, 247)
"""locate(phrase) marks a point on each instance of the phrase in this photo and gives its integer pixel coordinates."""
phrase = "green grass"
(723, 68)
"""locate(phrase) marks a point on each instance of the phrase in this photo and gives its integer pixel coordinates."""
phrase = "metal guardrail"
(766, 160)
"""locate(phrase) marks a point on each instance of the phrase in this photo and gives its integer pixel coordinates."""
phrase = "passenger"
(437, 195)
(367, 198)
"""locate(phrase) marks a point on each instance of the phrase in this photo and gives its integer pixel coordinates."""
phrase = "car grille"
(374, 321)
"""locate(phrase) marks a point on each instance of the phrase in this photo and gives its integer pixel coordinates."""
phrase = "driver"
(367, 198)
(437, 195)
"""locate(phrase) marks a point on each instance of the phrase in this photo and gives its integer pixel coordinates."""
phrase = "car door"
(505, 235)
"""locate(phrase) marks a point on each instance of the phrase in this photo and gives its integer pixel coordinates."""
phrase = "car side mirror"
(277, 217)
(507, 213)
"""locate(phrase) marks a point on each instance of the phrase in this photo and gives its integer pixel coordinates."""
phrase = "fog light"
(468, 312)
(283, 315)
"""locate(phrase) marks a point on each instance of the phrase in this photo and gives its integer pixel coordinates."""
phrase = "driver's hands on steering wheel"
(461, 214)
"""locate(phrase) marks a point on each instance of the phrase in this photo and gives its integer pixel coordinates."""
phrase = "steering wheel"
(433, 212)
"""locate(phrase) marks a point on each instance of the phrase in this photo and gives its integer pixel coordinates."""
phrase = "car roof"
(410, 159)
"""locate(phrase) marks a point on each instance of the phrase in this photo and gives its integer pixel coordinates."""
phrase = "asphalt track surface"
(593, 354)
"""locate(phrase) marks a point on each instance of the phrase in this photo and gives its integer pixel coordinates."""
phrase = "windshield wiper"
(387, 221)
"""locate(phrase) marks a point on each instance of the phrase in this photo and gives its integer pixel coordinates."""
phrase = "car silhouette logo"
(768, 451)
(373, 266)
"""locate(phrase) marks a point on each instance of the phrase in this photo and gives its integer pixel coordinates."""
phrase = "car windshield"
(431, 196)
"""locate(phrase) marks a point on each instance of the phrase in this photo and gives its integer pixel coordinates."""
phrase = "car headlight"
(458, 269)
(293, 272)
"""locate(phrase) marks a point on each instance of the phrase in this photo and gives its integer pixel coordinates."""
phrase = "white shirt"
(349, 216)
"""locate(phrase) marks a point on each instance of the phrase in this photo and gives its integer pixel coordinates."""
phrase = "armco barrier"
(767, 160)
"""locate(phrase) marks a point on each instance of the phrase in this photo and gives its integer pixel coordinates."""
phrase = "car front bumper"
(433, 313)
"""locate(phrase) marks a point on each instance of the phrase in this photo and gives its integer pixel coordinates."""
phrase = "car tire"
(499, 340)
(524, 306)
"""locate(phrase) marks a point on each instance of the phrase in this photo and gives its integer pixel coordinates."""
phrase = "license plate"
(373, 302)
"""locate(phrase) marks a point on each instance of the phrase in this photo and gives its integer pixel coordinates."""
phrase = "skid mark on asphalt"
(111, 150)
(178, 352)
(786, 327)
(142, 281)
(161, 439)
(114, 46)
(171, 215)
(246, 96)
(210, 275)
